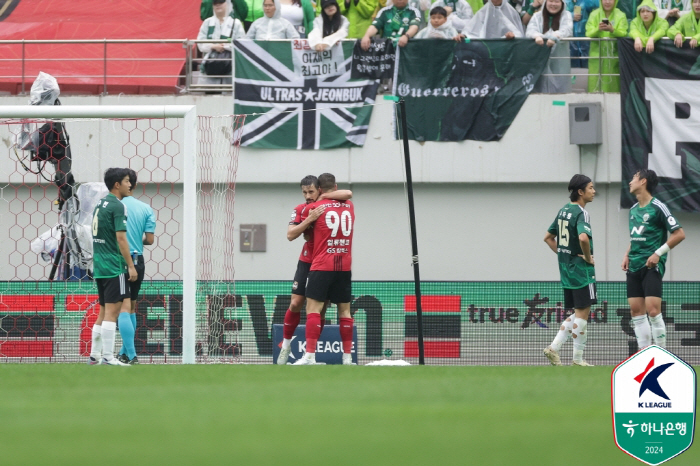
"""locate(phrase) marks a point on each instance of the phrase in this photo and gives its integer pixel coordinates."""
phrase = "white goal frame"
(189, 151)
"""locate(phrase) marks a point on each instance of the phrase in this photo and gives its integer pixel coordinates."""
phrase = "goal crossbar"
(189, 151)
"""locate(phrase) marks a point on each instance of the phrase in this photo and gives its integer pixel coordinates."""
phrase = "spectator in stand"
(239, 9)
(423, 7)
(606, 21)
(272, 25)
(219, 26)
(580, 10)
(476, 5)
(687, 26)
(529, 8)
(392, 22)
(459, 12)
(547, 27)
(439, 27)
(300, 13)
(329, 28)
(360, 14)
(672, 10)
(496, 20)
(255, 12)
(647, 27)
(629, 8)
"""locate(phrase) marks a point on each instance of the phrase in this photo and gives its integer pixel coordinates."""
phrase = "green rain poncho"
(657, 28)
(688, 25)
(603, 54)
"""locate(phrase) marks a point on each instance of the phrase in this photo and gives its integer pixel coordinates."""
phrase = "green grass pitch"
(57, 414)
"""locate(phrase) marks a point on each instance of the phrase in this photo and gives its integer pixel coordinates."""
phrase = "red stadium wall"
(131, 68)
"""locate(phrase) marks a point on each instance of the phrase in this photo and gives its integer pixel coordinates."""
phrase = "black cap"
(216, 2)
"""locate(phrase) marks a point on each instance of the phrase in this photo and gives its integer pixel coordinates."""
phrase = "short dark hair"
(326, 181)
(133, 178)
(438, 10)
(577, 182)
(650, 176)
(115, 175)
(309, 180)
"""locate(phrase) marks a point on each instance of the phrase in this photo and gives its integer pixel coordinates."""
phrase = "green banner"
(475, 323)
(297, 98)
(660, 98)
(473, 90)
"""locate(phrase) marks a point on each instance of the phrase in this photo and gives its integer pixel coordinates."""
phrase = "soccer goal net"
(52, 178)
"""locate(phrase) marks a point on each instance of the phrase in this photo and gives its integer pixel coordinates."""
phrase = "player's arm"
(626, 259)
(585, 243)
(551, 241)
(676, 237)
(295, 231)
(338, 195)
(124, 249)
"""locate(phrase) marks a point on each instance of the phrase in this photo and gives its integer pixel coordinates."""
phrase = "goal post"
(188, 174)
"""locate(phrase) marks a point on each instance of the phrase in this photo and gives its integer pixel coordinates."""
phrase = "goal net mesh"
(52, 178)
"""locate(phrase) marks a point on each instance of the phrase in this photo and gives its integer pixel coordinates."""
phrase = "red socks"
(291, 321)
(313, 331)
(346, 333)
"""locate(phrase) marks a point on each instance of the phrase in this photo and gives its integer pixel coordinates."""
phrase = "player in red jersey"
(311, 193)
(330, 277)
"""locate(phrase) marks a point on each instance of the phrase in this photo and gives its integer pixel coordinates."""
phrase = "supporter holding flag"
(272, 25)
(219, 26)
(687, 26)
(547, 27)
(579, 50)
(604, 66)
(496, 20)
(647, 27)
(329, 28)
(439, 27)
(300, 13)
(398, 21)
(458, 11)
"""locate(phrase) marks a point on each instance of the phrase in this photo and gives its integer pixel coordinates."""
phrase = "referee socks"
(126, 330)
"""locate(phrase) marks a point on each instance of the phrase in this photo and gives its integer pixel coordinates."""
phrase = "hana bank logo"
(649, 381)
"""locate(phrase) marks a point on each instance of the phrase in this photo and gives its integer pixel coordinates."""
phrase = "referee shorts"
(328, 285)
(140, 271)
(644, 283)
(302, 273)
(580, 298)
(113, 290)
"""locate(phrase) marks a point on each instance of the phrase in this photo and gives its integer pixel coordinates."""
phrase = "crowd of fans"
(325, 22)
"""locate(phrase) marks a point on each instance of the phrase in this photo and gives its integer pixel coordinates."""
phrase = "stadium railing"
(187, 78)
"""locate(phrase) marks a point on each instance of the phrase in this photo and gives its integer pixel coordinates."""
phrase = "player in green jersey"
(112, 265)
(645, 259)
(571, 239)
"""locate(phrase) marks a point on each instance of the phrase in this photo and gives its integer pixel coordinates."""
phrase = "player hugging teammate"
(303, 218)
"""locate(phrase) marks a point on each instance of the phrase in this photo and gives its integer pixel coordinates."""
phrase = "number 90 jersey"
(571, 221)
(332, 236)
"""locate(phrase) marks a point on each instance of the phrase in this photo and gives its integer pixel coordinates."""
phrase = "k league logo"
(653, 400)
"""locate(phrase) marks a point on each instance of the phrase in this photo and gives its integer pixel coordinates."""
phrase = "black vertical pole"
(414, 237)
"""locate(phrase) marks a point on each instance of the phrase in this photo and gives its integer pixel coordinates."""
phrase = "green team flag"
(473, 90)
(297, 98)
(660, 95)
